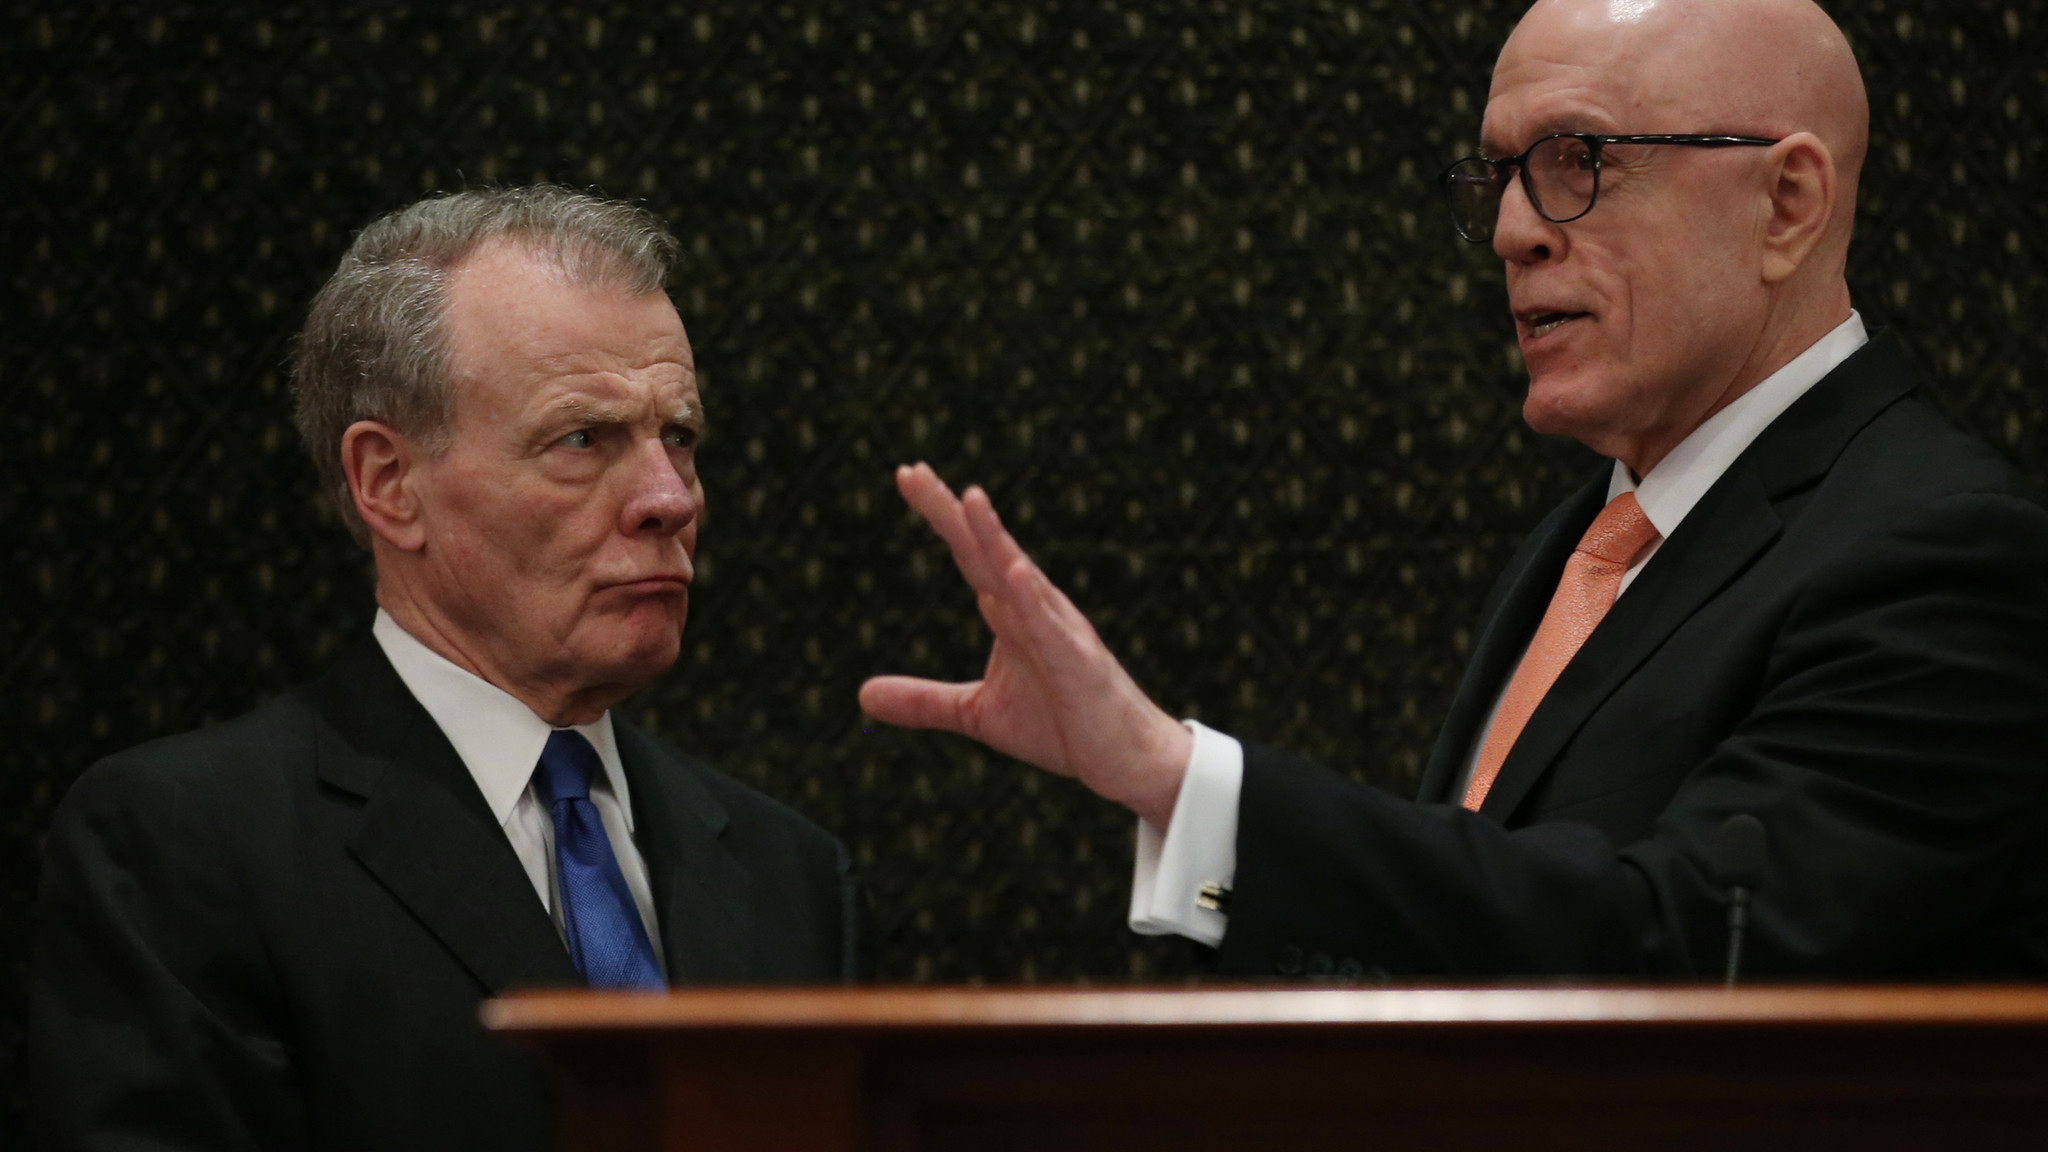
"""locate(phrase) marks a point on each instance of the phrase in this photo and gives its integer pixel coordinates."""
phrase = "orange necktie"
(1592, 579)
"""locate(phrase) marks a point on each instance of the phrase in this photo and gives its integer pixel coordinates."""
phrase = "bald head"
(1750, 67)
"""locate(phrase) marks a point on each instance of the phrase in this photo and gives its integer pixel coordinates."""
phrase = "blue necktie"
(607, 942)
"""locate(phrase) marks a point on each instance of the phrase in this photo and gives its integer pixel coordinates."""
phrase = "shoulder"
(235, 762)
(1912, 475)
(1920, 531)
(172, 832)
(1865, 447)
(1864, 453)
(1913, 449)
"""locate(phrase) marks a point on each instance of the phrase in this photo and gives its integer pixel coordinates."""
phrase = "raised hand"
(1052, 694)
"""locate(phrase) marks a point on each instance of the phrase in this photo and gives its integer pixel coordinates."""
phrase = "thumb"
(910, 702)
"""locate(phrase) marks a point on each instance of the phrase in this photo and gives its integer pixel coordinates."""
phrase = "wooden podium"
(880, 1070)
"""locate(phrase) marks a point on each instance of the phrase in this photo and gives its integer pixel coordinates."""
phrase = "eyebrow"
(1570, 124)
(584, 410)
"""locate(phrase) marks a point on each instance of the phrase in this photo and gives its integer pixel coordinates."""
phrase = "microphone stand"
(1739, 861)
(1738, 922)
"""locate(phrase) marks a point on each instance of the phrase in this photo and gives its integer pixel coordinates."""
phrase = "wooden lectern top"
(948, 1009)
(1228, 1069)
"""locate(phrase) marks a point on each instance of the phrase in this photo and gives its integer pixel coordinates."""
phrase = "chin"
(1547, 413)
(634, 648)
(650, 652)
(1568, 404)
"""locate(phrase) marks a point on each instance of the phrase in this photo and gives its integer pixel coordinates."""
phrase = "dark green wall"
(1169, 278)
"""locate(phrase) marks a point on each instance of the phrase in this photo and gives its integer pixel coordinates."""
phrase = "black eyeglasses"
(1560, 173)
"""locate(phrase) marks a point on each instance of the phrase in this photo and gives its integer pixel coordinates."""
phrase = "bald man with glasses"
(1797, 599)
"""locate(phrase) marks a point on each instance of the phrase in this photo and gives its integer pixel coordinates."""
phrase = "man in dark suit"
(1797, 594)
(276, 932)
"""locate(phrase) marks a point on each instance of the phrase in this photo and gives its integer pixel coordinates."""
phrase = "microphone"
(1739, 866)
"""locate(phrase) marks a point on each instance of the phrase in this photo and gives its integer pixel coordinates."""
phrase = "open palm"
(1052, 694)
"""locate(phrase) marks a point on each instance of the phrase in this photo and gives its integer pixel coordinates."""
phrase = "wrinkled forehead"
(522, 334)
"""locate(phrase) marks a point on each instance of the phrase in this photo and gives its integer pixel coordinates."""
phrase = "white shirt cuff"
(1198, 848)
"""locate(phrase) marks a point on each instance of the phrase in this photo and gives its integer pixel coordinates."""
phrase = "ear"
(383, 478)
(1803, 192)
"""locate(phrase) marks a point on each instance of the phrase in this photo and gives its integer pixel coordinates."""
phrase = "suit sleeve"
(1897, 752)
(150, 1002)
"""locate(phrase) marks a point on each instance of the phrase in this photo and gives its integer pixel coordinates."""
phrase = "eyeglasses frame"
(1595, 142)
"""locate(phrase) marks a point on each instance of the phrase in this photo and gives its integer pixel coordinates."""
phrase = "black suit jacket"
(275, 933)
(1847, 637)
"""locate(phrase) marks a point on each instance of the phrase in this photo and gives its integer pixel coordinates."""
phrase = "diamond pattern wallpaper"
(1167, 276)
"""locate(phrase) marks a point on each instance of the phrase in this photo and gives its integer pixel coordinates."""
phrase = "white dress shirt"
(500, 741)
(1199, 848)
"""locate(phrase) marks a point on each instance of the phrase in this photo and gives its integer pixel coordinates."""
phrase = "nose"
(661, 500)
(1522, 235)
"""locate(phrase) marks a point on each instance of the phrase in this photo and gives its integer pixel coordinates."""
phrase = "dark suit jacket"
(275, 933)
(1847, 637)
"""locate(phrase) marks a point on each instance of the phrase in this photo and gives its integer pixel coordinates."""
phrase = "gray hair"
(375, 346)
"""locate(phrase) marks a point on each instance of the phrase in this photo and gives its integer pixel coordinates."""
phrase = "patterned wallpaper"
(1168, 277)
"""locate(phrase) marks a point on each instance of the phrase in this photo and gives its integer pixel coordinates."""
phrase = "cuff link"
(1212, 897)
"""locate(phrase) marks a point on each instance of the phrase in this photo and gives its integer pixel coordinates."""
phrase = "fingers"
(1002, 554)
(983, 549)
(1034, 589)
(999, 549)
(1015, 597)
(1045, 624)
(930, 498)
(910, 702)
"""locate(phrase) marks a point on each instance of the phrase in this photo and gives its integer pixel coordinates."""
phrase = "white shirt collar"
(1678, 481)
(498, 738)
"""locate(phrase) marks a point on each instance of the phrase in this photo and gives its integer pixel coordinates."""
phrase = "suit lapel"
(1526, 588)
(704, 897)
(1720, 537)
(426, 833)
(1731, 526)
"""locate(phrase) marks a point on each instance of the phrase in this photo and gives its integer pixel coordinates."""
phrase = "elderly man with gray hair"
(275, 932)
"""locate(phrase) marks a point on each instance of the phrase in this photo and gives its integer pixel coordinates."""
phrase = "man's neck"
(562, 709)
(1780, 343)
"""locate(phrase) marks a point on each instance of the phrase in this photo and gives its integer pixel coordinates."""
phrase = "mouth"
(661, 585)
(1543, 323)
